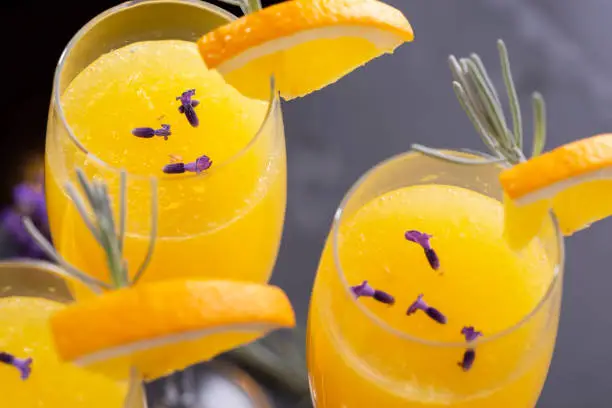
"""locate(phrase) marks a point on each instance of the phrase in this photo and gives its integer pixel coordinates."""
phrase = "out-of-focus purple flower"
(28, 200)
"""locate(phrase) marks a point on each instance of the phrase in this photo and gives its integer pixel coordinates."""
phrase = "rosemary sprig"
(103, 228)
(152, 233)
(481, 102)
(254, 5)
(71, 272)
(539, 124)
(247, 6)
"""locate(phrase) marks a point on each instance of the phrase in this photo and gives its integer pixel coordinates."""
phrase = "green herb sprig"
(247, 6)
(478, 97)
(101, 225)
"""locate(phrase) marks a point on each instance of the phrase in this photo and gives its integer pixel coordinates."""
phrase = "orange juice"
(365, 353)
(223, 222)
(24, 331)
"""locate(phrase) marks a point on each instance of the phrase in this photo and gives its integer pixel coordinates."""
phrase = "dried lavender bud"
(433, 313)
(422, 239)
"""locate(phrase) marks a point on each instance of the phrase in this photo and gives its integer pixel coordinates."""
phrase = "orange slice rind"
(161, 327)
(574, 180)
(305, 44)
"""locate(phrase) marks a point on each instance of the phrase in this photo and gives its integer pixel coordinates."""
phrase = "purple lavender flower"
(422, 239)
(164, 131)
(202, 163)
(144, 132)
(199, 165)
(174, 168)
(469, 356)
(24, 365)
(470, 333)
(147, 132)
(28, 200)
(187, 107)
(365, 290)
(383, 297)
(433, 313)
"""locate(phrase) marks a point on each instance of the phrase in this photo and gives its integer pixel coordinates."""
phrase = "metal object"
(215, 384)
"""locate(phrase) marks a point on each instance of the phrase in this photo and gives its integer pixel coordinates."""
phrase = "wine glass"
(220, 222)
(419, 301)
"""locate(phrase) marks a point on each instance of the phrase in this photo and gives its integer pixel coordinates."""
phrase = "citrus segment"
(574, 180)
(165, 326)
(581, 205)
(305, 44)
(521, 224)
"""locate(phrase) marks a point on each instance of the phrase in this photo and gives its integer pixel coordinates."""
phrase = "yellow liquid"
(24, 332)
(223, 223)
(354, 362)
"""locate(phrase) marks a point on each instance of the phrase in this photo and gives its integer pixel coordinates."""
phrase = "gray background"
(558, 47)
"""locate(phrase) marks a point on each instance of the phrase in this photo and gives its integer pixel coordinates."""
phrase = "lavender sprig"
(123, 208)
(103, 229)
(103, 224)
(247, 6)
(152, 233)
(481, 102)
(71, 272)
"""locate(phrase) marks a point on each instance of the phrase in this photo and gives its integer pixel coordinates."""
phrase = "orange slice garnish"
(164, 326)
(574, 180)
(305, 44)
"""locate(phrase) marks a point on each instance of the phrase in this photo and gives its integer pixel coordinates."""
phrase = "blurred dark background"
(558, 47)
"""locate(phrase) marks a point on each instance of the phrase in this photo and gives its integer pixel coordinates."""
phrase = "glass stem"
(254, 5)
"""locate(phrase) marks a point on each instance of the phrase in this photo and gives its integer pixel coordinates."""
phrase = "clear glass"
(356, 359)
(51, 383)
(237, 207)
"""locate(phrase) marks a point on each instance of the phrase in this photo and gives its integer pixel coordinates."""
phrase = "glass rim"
(45, 266)
(273, 100)
(338, 219)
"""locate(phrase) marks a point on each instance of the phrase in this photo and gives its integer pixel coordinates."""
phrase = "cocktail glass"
(364, 353)
(225, 222)
(29, 292)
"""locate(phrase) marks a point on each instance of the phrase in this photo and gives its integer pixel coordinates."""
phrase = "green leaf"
(438, 154)
(152, 232)
(539, 124)
(515, 107)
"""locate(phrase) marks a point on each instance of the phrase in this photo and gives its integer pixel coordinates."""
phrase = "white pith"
(384, 40)
(130, 348)
(555, 188)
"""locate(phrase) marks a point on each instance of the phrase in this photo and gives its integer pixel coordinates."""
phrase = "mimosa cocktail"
(364, 352)
(31, 293)
(106, 93)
